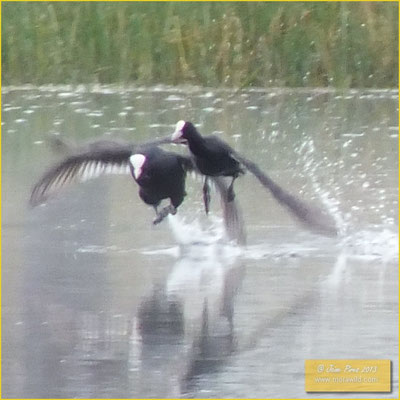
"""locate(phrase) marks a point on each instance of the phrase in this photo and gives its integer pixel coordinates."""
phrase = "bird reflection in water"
(186, 326)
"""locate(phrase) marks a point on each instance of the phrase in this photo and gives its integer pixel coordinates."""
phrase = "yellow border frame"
(9, 1)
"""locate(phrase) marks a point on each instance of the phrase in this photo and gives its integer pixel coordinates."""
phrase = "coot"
(159, 174)
(212, 156)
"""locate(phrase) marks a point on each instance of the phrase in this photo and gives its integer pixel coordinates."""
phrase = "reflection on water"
(99, 303)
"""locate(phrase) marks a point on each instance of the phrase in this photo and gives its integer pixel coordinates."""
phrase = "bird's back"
(216, 158)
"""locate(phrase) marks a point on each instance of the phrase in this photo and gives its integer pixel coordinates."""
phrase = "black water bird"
(159, 174)
(212, 156)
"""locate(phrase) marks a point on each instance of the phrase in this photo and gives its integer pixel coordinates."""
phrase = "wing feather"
(90, 164)
(95, 159)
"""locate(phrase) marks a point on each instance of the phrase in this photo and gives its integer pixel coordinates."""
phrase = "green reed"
(236, 44)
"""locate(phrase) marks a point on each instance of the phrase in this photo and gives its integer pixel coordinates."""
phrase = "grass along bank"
(237, 44)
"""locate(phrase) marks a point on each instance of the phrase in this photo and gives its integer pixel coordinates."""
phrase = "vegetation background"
(230, 44)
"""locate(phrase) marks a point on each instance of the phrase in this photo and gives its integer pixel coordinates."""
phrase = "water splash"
(382, 244)
(193, 234)
(311, 166)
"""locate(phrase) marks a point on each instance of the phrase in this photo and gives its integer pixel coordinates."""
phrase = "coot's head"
(183, 131)
(137, 162)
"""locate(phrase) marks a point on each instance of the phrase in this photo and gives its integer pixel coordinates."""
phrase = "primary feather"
(98, 158)
(103, 157)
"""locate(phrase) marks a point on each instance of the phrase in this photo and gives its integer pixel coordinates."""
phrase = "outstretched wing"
(99, 158)
(311, 216)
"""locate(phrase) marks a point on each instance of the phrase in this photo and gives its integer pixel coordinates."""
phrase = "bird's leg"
(163, 213)
(172, 209)
(231, 194)
(206, 195)
(158, 218)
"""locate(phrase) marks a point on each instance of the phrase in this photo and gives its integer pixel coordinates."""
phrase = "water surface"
(99, 303)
